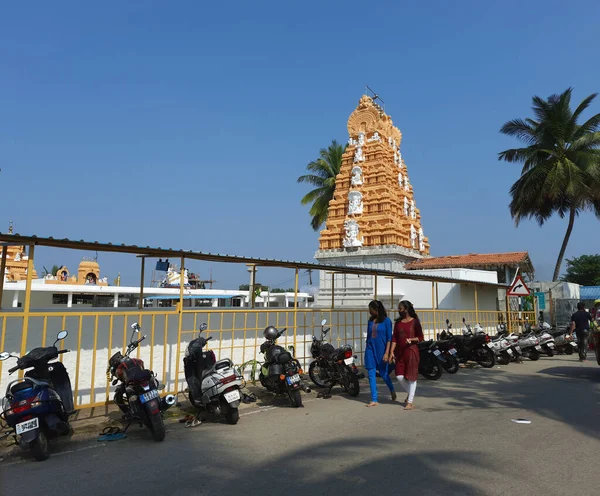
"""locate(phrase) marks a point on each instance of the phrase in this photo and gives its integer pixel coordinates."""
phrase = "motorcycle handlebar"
(208, 338)
(14, 369)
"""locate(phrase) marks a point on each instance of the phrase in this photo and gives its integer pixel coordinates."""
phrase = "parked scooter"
(333, 366)
(563, 342)
(212, 386)
(449, 352)
(530, 345)
(546, 339)
(37, 407)
(140, 388)
(280, 373)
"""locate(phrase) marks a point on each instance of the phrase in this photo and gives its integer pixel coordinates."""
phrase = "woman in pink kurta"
(405, 350)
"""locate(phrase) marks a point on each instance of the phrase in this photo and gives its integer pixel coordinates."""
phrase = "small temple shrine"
(88, 271)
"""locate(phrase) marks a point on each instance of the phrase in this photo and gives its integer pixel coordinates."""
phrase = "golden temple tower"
(374, 203)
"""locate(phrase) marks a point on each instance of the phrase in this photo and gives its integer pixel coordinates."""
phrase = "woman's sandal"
(409, 406)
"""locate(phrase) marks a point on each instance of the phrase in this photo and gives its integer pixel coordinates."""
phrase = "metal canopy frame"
(150, 252)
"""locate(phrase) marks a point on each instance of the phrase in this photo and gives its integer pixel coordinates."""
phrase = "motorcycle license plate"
(510, 352)
(293, 379)
(574, 345)
(150, 395)
(452, 351)
(437, 352)
(232, 396)
(538, 347)
(550, 345)
(27, 426)
(349, 361)
(518, 348)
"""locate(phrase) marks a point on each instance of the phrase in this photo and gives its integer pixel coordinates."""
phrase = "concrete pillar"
(116, 300)
(215, 302)
(70, 300)
(15, 299)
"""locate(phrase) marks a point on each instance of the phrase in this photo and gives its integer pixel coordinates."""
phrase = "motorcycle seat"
(283, 358)
(327, 351)
(221, 364)
(138, 375)
(21, 386)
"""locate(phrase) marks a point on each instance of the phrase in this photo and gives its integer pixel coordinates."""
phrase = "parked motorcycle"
(563, 342)
(333, 366)
(37, 407)
(471, 347)
(280, 373)
(530, 345)
(449, 352)
(137, 393)
(431, 360)
(213, 386)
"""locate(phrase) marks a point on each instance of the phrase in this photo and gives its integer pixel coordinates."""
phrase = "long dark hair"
(380, 309)
(409, 308)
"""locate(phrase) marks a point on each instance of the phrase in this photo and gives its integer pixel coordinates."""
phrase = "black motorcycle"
(138, 395)
(333, 366)
(471, 347)
(38, 406)
(280, 373)
(431, 360)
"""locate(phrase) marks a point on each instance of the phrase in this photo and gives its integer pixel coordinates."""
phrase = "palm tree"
(561, 163)
(323, 172)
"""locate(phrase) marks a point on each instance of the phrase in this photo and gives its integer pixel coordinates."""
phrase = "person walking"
(580, 323)
(377, 349)
(405, 350)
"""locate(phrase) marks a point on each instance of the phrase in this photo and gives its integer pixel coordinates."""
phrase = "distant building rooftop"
(489, 261)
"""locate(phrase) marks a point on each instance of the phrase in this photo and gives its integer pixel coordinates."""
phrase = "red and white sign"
(518, 288)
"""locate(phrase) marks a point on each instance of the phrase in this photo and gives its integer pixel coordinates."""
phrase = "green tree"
(583, 270)
(322, 174)
(561, 163)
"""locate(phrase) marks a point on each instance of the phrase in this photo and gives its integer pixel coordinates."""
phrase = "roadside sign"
(518, 288)
(541, 300)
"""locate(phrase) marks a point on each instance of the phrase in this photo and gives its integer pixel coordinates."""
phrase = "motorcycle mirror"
(447, 321)
(114, 383)
(136, 327)
(464, 320)
(4, 356)
(203, 327)
(323, 322)
(62, 335)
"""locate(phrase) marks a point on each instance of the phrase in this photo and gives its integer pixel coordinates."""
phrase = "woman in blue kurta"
(377, 350)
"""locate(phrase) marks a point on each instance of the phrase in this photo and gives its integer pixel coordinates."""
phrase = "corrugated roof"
(589, 292)
(159, 252)
(472, 260)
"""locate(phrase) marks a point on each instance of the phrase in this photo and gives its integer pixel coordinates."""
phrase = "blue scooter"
(38, 406)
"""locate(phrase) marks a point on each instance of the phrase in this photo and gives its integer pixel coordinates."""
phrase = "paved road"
(460, 440)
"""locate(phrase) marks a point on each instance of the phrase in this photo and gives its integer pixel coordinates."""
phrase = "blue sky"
(186, 124)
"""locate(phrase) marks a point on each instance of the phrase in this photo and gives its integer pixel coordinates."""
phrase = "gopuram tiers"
(373, 209)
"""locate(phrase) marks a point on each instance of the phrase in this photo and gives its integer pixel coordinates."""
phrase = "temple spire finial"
(10, 227)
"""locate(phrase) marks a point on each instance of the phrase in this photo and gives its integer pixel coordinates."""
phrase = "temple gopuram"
(373, 219)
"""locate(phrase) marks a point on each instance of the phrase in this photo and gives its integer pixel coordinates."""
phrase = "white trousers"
(409, 386)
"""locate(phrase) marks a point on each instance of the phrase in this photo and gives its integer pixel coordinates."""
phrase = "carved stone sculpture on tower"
(400, 179)
(406, 206)
(413, 236)
(421, 240)
(406, 184)
(355, 204)
(413, 211)
(352, 231)
(357, 179)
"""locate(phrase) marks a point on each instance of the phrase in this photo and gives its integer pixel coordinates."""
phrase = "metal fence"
(237, 334)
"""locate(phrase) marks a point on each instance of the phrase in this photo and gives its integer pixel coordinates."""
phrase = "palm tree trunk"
(563, 248)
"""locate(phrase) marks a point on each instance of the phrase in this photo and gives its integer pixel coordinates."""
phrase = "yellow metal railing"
(237, 334)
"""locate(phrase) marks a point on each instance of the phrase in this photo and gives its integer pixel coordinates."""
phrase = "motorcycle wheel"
(295, 398)
(433, 372)
(504, 358)
(568, 350)
(451, 366)
(486, 358)
(534, 355)
(313, 372)
(351, 384)
(550, 352)
(40, 447)
(157, 426)
(232, 416)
